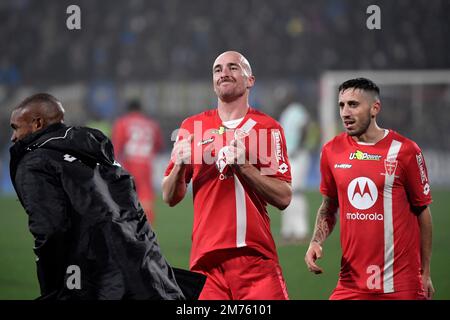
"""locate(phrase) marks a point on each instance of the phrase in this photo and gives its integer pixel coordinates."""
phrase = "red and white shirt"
(376, 185)
(227, 212)
(136, 138)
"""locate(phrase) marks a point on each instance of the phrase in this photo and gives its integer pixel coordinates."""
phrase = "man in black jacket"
(92, 240)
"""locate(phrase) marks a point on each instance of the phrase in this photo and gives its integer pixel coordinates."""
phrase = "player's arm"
(48, 220)
(325, 222)
(275, 191)
(118, 140)
(418, 189)
(272, 189)
(425, 224)
(159, 142)
(174, 185)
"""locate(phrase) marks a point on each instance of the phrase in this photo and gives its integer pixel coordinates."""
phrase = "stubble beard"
(363, 128)
(229, 96)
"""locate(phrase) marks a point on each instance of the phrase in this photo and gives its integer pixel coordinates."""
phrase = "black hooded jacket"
(84, 212)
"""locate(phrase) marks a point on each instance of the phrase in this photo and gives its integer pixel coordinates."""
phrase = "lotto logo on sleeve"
(362, 193)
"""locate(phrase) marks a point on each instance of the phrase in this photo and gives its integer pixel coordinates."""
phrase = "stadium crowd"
(141, 40)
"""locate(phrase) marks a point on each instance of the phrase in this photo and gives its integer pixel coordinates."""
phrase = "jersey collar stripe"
(248, 125)
(388, 275)
(241, 213)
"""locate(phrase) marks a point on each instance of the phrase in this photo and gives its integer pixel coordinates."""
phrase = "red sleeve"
(118, 139)
(416, 184)
(183, 133)
(159, 142)
(271, 157)
(327, 182)
(284, 167)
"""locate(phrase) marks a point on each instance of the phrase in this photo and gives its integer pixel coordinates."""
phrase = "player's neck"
(373, 134)
(232, 110)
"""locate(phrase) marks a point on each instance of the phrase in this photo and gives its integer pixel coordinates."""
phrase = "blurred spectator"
(295, 218)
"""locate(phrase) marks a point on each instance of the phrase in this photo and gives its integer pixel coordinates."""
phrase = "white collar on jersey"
(372, 143)
(232, 124)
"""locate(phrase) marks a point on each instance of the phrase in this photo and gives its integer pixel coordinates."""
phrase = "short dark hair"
(360, 83)
(39, 98)
(134, 105)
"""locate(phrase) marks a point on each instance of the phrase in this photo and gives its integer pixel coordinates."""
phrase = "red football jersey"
(136, 138)
(227, 212)
(376, 185)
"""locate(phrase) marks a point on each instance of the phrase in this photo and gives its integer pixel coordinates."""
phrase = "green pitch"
(173, 226)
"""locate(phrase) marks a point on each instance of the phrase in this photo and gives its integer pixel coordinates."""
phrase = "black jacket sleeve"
(44, 200)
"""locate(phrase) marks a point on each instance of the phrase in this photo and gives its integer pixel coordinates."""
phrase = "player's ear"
(37, 124)
(250, 81)
(375, 109)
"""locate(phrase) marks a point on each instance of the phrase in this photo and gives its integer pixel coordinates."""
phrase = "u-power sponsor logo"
(359, 155)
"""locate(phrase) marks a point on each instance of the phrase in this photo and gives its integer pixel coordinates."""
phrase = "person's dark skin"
(32, 117)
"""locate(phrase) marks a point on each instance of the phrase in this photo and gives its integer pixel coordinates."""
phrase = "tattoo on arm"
(325, 221)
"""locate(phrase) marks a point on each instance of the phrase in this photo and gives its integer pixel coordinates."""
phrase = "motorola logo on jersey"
(362, 193)
(364, 216)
